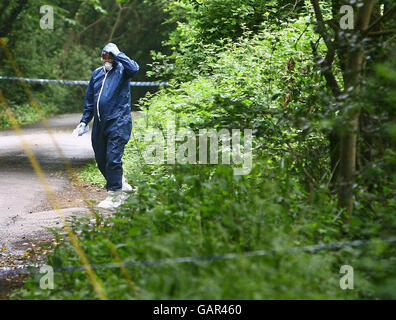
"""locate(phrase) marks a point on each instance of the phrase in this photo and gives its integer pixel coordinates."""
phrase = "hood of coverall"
(106, 49)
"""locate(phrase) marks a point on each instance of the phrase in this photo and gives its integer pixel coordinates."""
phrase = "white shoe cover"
(125, 185)
(113, 200)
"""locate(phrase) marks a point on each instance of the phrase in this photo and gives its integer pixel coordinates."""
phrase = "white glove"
(112, 48)
(80, 129)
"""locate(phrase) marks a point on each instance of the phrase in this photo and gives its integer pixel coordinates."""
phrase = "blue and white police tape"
(85, 83)
(23, 269)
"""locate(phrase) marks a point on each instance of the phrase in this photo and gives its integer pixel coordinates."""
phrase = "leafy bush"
(195, 211)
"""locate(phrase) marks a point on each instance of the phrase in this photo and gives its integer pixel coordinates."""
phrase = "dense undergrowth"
(26, 114)
(192, 210)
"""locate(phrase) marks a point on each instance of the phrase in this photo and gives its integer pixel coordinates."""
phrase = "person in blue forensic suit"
(108, 102)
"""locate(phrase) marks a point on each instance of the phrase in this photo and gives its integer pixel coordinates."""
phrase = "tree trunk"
(334, 140)
(348, 143)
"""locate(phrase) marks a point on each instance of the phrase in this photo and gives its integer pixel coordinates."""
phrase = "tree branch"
(391, 11)
(321, 24)
(11, 19)
(382, 32)
(325, 68)
(326, 63)
(364, 15)
(116, 22)
(91, 25)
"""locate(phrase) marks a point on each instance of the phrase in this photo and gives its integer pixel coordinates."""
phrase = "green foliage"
(72, 49)
(90, 173)
(263, 82)
(26, 114)
(184, 211)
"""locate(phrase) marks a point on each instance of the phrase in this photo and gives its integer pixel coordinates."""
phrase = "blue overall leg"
(99, 145)
(108, 145)
(114, 152)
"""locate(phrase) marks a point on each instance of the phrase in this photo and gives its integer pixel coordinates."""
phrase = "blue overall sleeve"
(88, 103)
(130, 66)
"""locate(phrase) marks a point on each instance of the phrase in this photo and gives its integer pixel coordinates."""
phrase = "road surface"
(25, 209)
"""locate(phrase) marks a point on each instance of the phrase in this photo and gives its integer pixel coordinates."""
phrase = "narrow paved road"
(25, 209)
(21, 192)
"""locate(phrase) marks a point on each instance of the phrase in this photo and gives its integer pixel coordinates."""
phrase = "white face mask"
(108, 66)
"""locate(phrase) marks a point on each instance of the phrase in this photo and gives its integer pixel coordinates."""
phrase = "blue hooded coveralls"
(108, 101)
